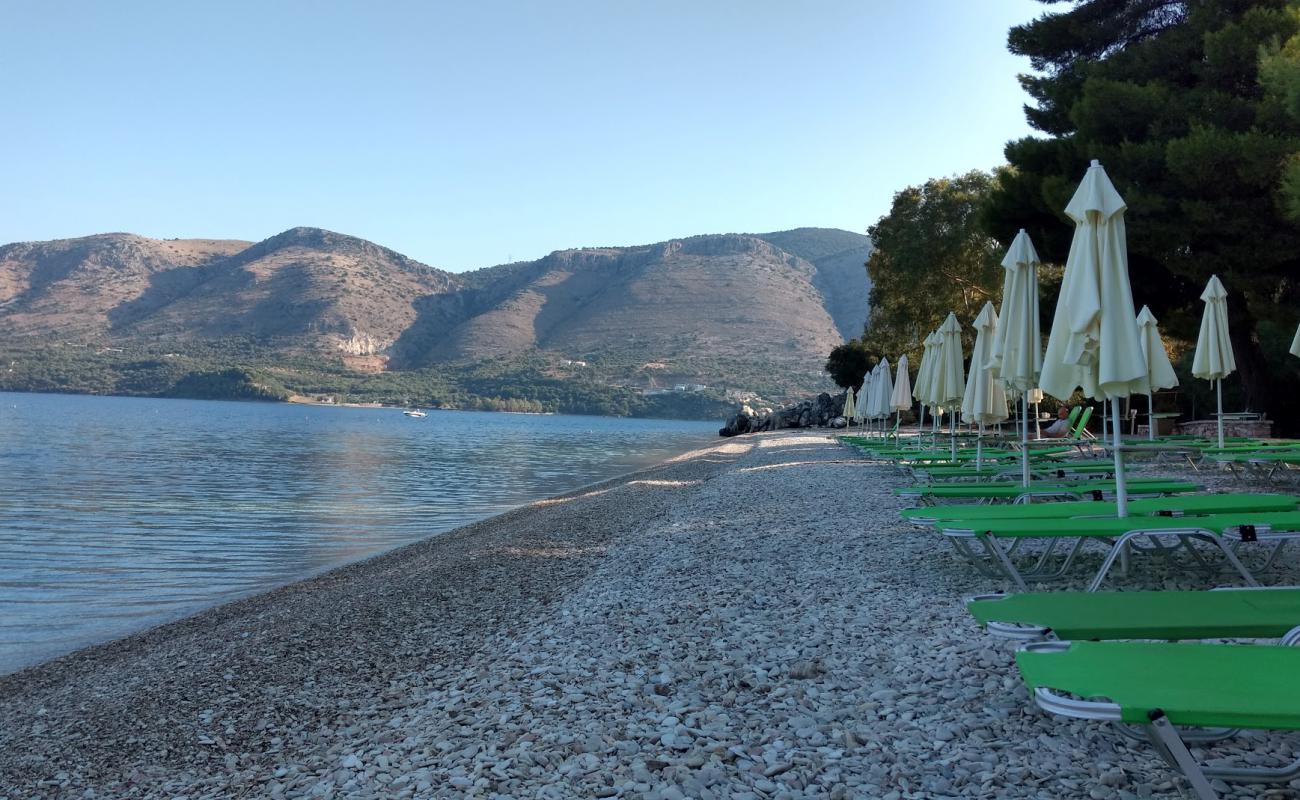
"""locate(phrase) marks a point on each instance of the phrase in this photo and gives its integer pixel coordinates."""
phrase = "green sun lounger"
(1187, 504)
(1160, 685)
(1221, 614)
(1010, 490)
(1049, 469)
(999, 537)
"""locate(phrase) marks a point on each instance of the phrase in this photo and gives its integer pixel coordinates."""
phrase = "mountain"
(694, 308)
(726, 295)
(71, 287)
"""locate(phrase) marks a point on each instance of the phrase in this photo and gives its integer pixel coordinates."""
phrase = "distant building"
(569, 363)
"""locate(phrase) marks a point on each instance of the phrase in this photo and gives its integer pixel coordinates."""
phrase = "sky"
(474, 133)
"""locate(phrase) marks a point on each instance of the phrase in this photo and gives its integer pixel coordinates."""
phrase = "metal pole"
(1121, 486)
(1024, 441)
(1218, 392)
(952, 434)
(920, 426)
(979, 446)
(1151, 419)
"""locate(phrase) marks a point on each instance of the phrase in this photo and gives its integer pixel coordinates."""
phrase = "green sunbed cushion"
(1210, 685)
(1185, 504)
(1063, 467)
(1015, 489)
(1234, 613)
(1111, 526)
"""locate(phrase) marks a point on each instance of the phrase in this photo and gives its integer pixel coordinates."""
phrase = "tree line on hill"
(1194, 110)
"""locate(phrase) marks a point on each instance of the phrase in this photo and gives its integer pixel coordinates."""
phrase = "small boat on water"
(414, 412)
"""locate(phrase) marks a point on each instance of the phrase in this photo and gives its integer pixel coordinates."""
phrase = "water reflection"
(117, 514)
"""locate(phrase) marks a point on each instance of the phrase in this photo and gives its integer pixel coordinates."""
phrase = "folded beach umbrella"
(949, 379)
(860, 406)
(901, 397)
(849, 406)
(1160, 373)
(1214, 359)
(1094, 343)
(1295, 343)
(921, 391)
(1016, 356)
(884, 390)
(984, 401)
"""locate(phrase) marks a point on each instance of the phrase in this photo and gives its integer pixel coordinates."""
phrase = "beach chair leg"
(999, 556)
(983, 564)
(1167, 742)
(1226, 549)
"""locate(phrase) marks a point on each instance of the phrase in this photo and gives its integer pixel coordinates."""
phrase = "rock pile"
(822, 411)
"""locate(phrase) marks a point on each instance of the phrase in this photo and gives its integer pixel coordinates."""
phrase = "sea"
(118, 514)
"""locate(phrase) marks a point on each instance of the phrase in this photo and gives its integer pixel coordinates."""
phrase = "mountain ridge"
(783, 297)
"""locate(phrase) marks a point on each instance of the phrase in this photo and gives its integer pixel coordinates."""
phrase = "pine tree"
(1170, 97)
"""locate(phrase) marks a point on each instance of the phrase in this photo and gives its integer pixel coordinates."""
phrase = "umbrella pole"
(952, 435)
(1024, 441)
(1121, 485)
(920, 426)
(1151, 420)
(979, 446)
(1218, 396)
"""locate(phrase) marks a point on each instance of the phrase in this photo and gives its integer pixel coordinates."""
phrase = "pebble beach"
(748, 621)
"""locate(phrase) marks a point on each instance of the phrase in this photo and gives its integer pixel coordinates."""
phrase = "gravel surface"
(750, 621)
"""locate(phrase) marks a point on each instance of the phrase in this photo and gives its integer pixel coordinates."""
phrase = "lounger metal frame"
(1164, 737)
(995, 561)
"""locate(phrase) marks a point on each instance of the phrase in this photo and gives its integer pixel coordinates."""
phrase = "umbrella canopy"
(921, 391)
(884, 390)
(984, 401)
(1016, 351)
(901, 398)
(861, 408)
(949, 379)
(1160, 373)
(1094, 343)
(1214, 359)
(849, 408)
(1295, 343)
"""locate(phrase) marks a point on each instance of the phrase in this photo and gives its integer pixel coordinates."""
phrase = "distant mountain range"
(785, 298)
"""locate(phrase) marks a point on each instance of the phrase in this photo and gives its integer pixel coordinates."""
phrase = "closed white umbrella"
(860, 407)
(1016, 357)
(1094, 344)
(901, 397)
(884, 388)
(849, 406)
(985, 401)
(949, 376)
(1160, 373)
(921, 391)
(1214, 359)
(1295, 343)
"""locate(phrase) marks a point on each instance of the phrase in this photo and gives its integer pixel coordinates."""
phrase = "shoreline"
(191, 658)
(750, 620)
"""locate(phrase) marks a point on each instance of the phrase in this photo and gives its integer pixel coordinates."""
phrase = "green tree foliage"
(932, 256)
(1168, 96)
(227, 384)
(849, 363)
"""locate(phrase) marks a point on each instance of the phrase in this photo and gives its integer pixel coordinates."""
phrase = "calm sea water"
(119, 513)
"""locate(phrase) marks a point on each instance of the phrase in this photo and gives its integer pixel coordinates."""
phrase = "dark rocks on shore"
(821, 411)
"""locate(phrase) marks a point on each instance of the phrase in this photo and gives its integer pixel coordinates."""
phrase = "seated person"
(1061, 428)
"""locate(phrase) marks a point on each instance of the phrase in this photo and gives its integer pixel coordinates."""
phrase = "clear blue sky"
(465, 134)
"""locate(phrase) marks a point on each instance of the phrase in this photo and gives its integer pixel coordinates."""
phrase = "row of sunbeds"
(1150, 655)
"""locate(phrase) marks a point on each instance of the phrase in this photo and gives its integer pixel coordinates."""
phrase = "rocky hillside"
(783, 298)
